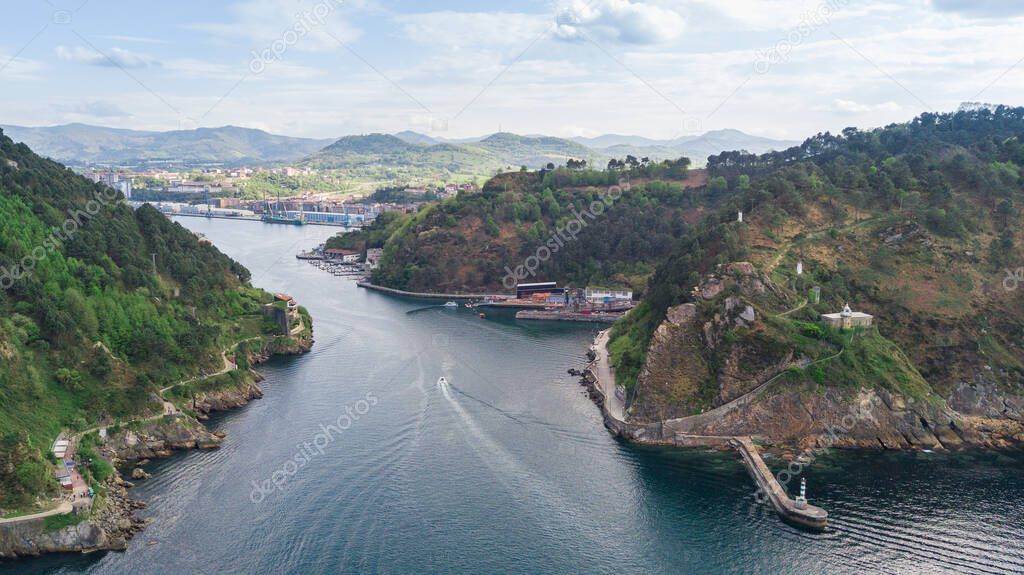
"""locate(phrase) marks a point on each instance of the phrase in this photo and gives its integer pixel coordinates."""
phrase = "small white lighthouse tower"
(800, 267)
(739, 217)
(801, 500)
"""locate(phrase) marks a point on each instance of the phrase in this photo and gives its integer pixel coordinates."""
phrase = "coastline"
(112, 523)
(599, 378)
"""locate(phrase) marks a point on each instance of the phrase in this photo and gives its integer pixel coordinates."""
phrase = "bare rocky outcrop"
(985, 399)
(225, 399)
(687, 348)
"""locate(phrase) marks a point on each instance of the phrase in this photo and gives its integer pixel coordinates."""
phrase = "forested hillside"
(916, 223)
(101, 307)
(469, 243)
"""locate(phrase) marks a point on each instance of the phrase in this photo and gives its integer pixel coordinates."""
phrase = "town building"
(848, 319)
(345, 256)
(285, 316)
(526, 291)
(601, 295)
(373, 256)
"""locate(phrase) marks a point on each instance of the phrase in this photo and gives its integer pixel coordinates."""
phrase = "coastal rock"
(984, 398)
(139, 473)
(109, 528)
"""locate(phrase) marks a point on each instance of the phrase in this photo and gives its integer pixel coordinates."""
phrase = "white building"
(599, 295)
(848, 319)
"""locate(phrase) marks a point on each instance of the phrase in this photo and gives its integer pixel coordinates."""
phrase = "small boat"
(451, 304)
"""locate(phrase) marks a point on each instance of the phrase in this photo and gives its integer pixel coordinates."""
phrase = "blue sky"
(658, 68)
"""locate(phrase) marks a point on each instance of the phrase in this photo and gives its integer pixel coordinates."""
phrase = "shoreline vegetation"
(104, 310)
(109, 523)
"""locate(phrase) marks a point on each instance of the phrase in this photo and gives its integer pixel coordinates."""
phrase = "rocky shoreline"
(113, 523)
(787, 422)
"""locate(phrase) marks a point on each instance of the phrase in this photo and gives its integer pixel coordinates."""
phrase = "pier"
(799, 512)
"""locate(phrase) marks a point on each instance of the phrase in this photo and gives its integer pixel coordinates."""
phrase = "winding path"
(80, 490)
(614, 405)
(63, 509)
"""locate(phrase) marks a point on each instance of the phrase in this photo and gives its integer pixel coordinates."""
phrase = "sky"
(453, 68)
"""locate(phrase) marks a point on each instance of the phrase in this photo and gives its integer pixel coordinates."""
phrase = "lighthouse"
(800, 267)
(739, 217)
(801, 500)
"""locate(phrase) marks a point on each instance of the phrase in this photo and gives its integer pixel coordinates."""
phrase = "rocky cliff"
(744, 359)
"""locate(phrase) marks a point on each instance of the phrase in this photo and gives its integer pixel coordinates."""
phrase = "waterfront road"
(614, 405)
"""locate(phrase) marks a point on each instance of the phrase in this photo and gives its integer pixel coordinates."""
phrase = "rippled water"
(508, 468)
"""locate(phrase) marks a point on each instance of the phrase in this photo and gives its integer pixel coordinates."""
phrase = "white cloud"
(92, 109)
(18, 68)
(113, 58)
(135, 39)
(842, 106)
(308, 25)
(980, 8)
(192, 68)
(473, 30)
(626, 21)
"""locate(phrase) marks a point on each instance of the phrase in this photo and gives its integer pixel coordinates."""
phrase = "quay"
(556, 315)
(600, 378)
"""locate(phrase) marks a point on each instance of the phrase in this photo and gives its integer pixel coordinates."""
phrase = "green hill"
(410, 158)
(916, 224)
(469, 243)
(88, 332)
(84, 145)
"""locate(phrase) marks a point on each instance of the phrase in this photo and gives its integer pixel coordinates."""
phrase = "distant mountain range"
(697, 148)
(86, 145)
